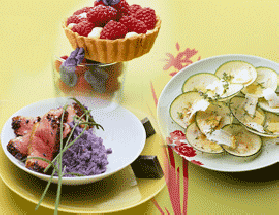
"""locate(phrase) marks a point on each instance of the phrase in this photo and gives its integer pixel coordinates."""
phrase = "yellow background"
(31, 33)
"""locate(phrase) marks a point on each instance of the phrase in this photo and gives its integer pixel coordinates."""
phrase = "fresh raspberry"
(114, 30)
(122, 8)
(148, 16)
(134, 8)
(82, 10)
(83, 28)
(90, 24)
(101, 15)
(97, 3)
(133, 24)
(75, 19)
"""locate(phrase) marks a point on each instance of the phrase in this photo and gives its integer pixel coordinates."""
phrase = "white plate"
(270, 151)
(123, 133)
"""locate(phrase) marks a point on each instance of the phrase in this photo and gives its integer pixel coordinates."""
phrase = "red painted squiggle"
(154, 94)
(167, 211)
(185, 185)
(171, 175)
(153, 200)
(181, 60)
(173, 187)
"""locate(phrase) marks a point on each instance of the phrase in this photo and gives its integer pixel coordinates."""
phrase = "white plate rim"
(182, 73)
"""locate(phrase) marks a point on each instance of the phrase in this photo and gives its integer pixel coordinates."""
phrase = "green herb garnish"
(59, 186)
(84, 110)
(88, 121)
(260, 85)
(227, 77)
(180, 115)
(226, 87)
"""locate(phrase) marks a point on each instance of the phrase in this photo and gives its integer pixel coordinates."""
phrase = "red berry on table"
(114, 30)
(101, 15)
(133, 24)
(148, 16)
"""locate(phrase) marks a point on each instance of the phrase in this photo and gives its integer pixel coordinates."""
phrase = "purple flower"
(109, 2)
(67, 69)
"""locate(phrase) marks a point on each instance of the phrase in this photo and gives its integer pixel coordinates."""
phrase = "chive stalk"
(70, 136)
(60, 162)
(60, 155)
(45, 191)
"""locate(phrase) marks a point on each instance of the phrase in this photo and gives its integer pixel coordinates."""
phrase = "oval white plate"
(270, 151)
(123, 133)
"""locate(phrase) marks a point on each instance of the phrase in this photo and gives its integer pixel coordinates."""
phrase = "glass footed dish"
(90, 79)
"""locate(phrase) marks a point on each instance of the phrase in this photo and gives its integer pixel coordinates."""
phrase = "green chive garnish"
(88, 121)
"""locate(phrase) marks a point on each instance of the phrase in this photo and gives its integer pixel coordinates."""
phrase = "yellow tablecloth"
(31, 32)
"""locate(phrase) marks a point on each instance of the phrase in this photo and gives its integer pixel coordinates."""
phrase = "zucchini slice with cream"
(264, 104)
(253, 123)
(212, 86)
(266, 78)
(264, 86)
(223, 90)
(214, 117)
(184, 107)
(246, 143)
(199, 82)
(237, 72)
(271, 125)
(199, 141)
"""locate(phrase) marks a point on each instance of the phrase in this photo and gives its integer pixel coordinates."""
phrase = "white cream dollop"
(71, 25)
(222, 138)
(95, 33)
(217, 87)
(271, 97)
(256, 126)
(131, 34)
(250, 104)
(83, 15)
(200, 105)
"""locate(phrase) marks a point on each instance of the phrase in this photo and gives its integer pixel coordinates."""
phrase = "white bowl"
(123, 133)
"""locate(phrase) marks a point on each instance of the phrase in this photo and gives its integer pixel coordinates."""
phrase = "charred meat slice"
(23, 125)
(40, 136)
(38, 148)
(18, 146)
(45, 137)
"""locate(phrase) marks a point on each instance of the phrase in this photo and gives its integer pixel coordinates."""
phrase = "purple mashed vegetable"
(87, 156)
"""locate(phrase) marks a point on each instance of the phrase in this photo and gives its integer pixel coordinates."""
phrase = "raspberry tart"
(113, 31)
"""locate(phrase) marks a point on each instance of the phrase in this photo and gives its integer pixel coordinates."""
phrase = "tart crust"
(110, 51)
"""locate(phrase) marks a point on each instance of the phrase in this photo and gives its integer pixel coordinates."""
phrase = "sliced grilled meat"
(38, 148)
(40, 136)
(18, 146)
(45, 138)
(22, 125)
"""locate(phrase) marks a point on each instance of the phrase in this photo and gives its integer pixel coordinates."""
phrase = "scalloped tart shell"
(110, 51)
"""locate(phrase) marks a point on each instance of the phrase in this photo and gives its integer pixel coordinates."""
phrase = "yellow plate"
(108, 195)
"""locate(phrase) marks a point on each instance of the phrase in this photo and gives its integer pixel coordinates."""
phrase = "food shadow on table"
(258, 177)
